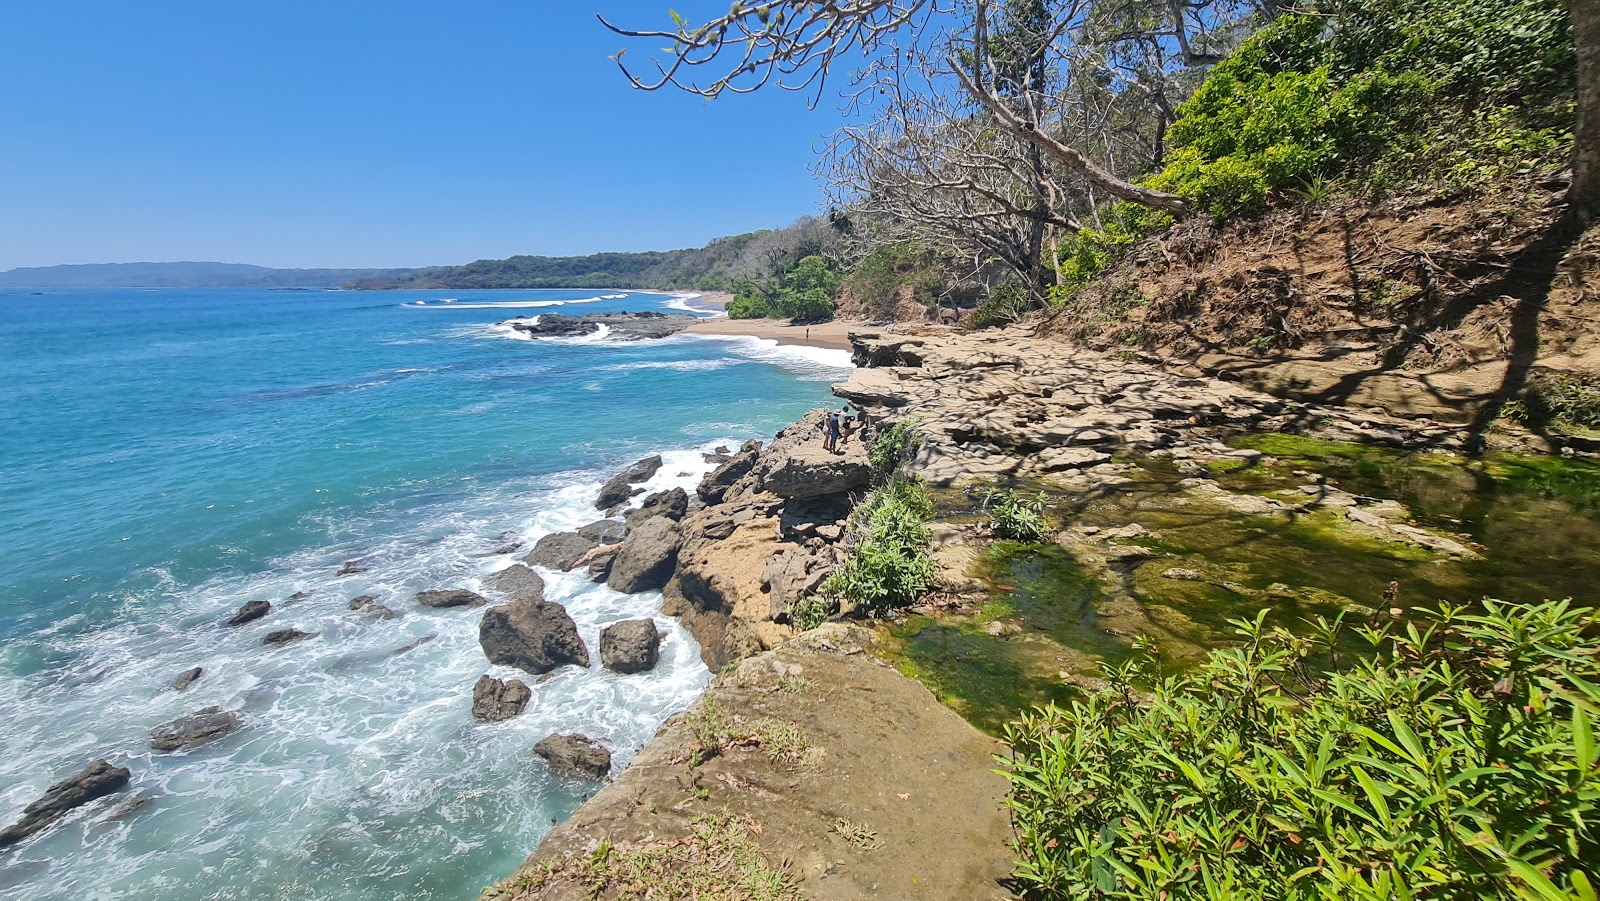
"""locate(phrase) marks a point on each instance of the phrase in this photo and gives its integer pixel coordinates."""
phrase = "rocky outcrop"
(575, 755)
(534, 636)
(797, 466)
(560, 551)
(185, 679)
(796, 574)
(517, 582)
(620, 487)
(451, 597)
(714, 487)
(496, 700)
(250, 612)
(367, 604)
(196, 729)
(631, 646)
(284, 637)
(605, 531)
(95, 781)
(621, 326)
(351, 568)
(672, 503)
(647, 556)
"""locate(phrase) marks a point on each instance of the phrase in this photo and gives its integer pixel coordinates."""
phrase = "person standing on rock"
(830, 425)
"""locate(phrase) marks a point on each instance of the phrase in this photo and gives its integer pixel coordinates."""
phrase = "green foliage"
(1458, 761)
(1005, 304)
(1014, 516)
(893, 446)
(878, 281)
(1557, 400)
(749, 304)
(809, 613)
(889, 565)
(807, 292)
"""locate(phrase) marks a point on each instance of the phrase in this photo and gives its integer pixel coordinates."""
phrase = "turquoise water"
(169, 455)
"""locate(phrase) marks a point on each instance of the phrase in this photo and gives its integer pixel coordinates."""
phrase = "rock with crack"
(534, 636)
(199, 728)
(672, 503)
(714, 486)
(450, 597)
(647, 557)
(631, 646)
(620, 487)
(497, 700)
(575, 755)
(797, 466)
(517, 582)
(95, 781)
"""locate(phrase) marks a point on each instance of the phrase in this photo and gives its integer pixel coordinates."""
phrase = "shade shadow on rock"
(631, 646)
(96, 780)
(672, 503)
(575, 755)
(647, 556)
(534, 636)
(196, 729)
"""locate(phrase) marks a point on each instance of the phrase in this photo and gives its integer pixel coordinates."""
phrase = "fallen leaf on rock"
(904, 797)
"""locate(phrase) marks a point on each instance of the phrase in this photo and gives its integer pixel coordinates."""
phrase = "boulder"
(96, 780)
(284, 637)
(623, 326)
(195, 729)
(517, 582)
(186, 679)
(797, 466)
(495, 700)
(532, 635)
(716, 483)
(605, 531)
(560, 551)
(647, 557)
(619, 488)
(351, 568)
(631, 646)
(250, 612)
(368, 604)
(600, 567)
(672, 503)
(575, 755)
(793, 576)
(450, 597)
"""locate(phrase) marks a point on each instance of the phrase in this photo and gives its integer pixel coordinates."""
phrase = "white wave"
(824, 364)
(517, 304)
(704, 365)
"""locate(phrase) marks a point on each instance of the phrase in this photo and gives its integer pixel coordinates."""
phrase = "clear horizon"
(368, 136)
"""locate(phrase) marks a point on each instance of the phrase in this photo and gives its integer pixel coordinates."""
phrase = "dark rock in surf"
(351, 568)
(250, 612)
(284, 637)
(605, 531)
(631, 646)
(199, 728)
(619, 488)
(647, 556)
(186, 679)
(95, 781)
(672, 503)
(532, 635)
(560, 551)
(451, 597)
(368, 604)
(495, 700)
(716, 483)
(575, 755)
(622, 326)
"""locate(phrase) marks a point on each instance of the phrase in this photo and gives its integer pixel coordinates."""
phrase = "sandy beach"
(825, 334)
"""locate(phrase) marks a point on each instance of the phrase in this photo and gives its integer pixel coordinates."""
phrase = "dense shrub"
(879, 280)
(893, 446)
(749, 305)
(889, 565)
(1457, 761)
(807, 293)
(1556, 400)
(1006, 303)
(1014, 516)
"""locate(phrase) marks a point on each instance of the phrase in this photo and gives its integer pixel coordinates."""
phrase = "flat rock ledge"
(879, 751)
(199, 728)
(95, 781)
(621, 326)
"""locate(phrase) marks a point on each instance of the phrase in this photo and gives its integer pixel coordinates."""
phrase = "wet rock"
(495, 700)
(534, 636)
(284, 637)
(249, 613)
(517, 582)
(575, 755)
(600, 567)
(351, 568)
(621, 326)
(1178, 573)
(631, 646)
(672, 503)
(297, 597)
(619, 488)
(199, 728)
(714, 487)
(95, 781)
(560, 551)
(186, 679)
(368, 604)
(647, 557)
(605, 531)
(450, 597)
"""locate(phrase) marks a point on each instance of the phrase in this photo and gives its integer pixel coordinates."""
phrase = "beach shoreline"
(834, 335)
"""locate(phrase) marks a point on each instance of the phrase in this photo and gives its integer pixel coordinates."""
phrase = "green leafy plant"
(1006, 303)
(889, 564)
(1015, 517)
(1557, 400)
(1458, 760)
(893, 446)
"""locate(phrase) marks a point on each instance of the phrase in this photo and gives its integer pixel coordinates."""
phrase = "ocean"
(168, 455)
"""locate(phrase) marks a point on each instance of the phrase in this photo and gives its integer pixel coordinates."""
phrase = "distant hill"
(185, 275)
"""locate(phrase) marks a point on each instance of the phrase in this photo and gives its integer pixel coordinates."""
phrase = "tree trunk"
(1583, 198)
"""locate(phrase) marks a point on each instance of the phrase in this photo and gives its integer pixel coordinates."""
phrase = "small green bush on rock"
(1014, 516)
(1458, 762)
(889, 565)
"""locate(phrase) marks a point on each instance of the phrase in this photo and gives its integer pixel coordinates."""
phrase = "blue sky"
(392, 133)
